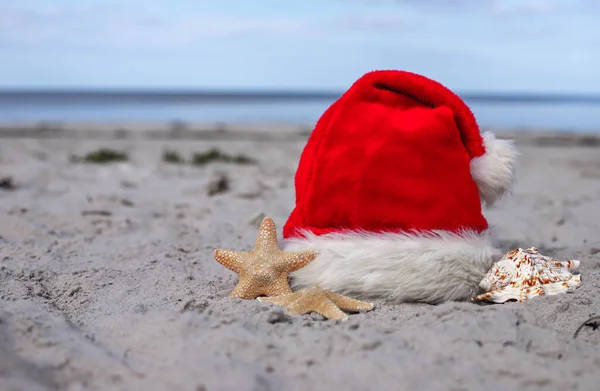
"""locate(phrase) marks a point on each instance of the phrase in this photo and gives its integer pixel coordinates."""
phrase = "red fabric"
(392, 154)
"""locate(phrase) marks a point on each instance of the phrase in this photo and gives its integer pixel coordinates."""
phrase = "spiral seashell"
(523, 274)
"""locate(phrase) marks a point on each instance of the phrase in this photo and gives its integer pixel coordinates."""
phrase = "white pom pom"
(494, 171)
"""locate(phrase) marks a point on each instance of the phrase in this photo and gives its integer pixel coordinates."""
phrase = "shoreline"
(179, 130)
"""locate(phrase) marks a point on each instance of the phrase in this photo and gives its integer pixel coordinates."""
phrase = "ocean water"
(567, 113)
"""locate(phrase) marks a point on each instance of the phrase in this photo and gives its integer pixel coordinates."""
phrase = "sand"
(107, 280)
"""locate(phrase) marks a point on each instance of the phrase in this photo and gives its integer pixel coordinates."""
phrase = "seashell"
(523, 274)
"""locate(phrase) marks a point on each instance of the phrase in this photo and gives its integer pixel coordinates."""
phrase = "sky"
(539, 46)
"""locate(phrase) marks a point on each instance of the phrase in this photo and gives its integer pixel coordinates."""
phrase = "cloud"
(155, 24)
(374, 22)
(531, 7)
(126, 24)
(426, 4)
(486, 6)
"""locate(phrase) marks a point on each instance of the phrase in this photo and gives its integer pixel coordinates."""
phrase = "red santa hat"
(389, 190)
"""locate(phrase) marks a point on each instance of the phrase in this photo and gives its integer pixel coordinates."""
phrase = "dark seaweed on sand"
(221, 185)
(592, 323)
(7, 183)
(101, 156)
(172, 157)
(214, 155)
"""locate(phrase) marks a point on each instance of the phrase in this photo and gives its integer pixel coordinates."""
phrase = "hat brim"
(430, 267)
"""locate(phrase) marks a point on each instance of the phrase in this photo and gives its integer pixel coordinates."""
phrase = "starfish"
(318, 300)
(264, 270)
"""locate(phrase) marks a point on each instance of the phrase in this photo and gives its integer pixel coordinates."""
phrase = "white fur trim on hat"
(493, 172)
(397, 267)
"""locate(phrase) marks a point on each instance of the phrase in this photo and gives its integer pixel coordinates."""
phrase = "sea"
(579, 113)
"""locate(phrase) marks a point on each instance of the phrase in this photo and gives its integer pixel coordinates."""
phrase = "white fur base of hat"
(431, 268)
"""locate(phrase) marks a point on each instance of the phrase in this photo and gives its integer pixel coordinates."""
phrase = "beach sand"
(107, 280)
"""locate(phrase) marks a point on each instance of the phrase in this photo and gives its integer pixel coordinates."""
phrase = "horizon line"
(198, 94)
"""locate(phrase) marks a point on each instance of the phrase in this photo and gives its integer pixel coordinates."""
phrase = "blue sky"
(469, 45)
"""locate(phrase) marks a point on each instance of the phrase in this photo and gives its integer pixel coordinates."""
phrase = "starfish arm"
(232, 260)
(297, 260)
(278, 287)
(281, 300)
(267, 236)
(246, 289)
(322, 306)
(349, 304)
